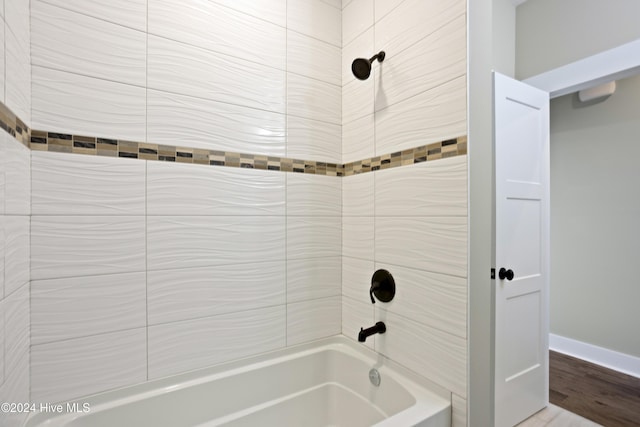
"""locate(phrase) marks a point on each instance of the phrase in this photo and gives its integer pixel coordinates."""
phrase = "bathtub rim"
(421, 388)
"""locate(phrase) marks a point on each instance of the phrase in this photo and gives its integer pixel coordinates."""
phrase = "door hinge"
(493, 273)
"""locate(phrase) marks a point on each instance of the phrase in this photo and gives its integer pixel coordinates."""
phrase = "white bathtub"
(325, 383)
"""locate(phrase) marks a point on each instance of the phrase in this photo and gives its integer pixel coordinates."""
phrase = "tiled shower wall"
(15, 208)
(145, 269)
(410, 220)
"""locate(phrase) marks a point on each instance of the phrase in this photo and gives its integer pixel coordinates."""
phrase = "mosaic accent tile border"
(39, 140)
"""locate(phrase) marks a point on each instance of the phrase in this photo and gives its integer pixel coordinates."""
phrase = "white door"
(521, 132)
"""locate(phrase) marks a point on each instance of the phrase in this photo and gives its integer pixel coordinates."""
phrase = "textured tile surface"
(431, 116)
(425, 189)
(437, 355)
(436, 300)
(184, 346)
(315, 18)
(270, 10)
(436, 244)
(74, 368)
(313, 140)
(312, 195)
(77, 307)
(192, 293)
(356, 278)
(200, 241)
(315, 319)
(303, 54)
(66, 184)
(16, 252)
(442, 57)
(358, 139)
(17, 176)
(105, 50)
(358, 237)
(179, 189)
(311, 237)
(195, 122)
(358, 195)
(459, 411)
(357, 314)
(356, 18)
(314, 278)
(71, 246)
(237, 81)
(129, 13)
(235, 33)
(70, 103)
(313, 99)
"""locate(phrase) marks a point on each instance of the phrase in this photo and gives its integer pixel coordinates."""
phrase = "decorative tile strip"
(14, 126)
(66, 143)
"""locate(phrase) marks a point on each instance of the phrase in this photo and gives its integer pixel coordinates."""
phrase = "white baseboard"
(620, 362)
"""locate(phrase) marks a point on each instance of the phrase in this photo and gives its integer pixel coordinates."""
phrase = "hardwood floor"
(599, 394)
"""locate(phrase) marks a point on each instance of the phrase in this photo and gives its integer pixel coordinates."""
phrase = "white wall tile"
(436, 355)
(236, 81)
(181, 242)
(355, 315)
(358, 237)
(357, 99)
(313, 278)
(70, 103)
(345, 3)
(104, 50)
(2, 341)
(18, 91)
(431, 116)
(356, 18)
(17, 176)
(315, 18)
(412, 20)
(313, 140)
(270, 10)
(194, 122)
(16, 389)
(16, 252)
(175, 295)
(314, 195)
(74, 368)
(234, 33)
(69, 308)
(129, 13)
(3, 245)
(459, 409)
(436, 300)
(432, 61)
(313, 237)
(68, 184)
(383, 7)
(436, 244)
(312, 320)
(358, 195)
(313, 99)
(17, 18)
(304, 54)
(360, 47)
(183, 346)
(16, 340)
(71, 246)
(3, 75)
(187, 189)
(425, 189)
(356, 278)
(358, 139)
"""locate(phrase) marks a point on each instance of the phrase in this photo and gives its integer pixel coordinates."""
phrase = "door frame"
(616, 63)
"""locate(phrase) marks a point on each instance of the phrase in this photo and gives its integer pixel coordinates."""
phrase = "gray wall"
(552, 33)
(595, 219)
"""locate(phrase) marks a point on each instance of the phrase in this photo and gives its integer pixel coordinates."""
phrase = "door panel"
(522, 245)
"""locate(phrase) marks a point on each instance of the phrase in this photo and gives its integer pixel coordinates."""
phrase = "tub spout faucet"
(378, 328)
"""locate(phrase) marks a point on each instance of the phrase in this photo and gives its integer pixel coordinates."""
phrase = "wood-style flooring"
(599, 394)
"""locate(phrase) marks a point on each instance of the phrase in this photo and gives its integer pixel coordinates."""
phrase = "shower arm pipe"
(379, 56)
